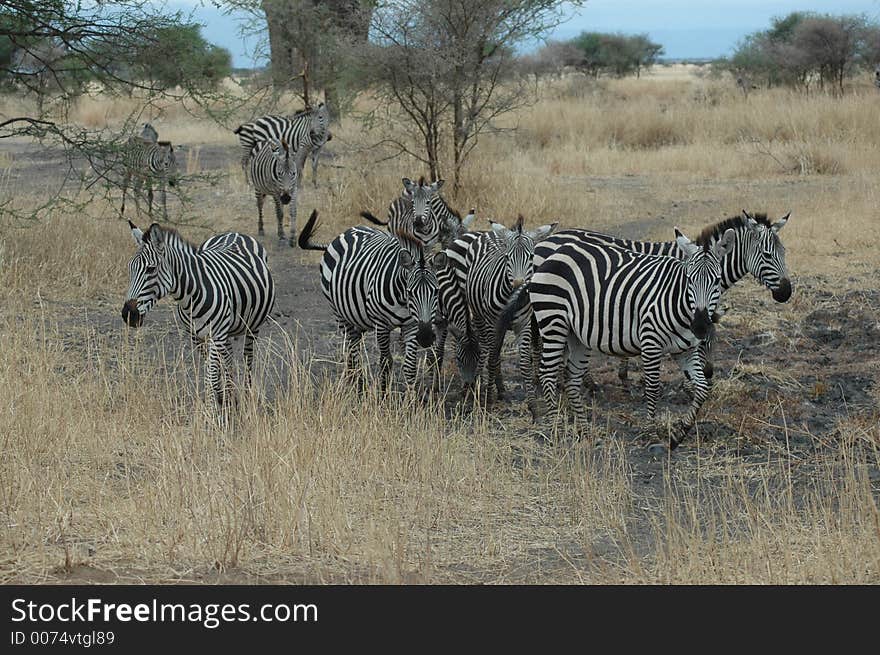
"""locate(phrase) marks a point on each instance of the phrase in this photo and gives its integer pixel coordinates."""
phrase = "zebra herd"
(425, 271)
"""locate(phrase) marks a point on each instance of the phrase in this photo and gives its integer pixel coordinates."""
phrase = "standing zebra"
(490, 266)
(273, 172)
(378, 281)
(419, 211)
(305, 132)
(587, 296)
(146, 159)
(223, 290)
(757, 250)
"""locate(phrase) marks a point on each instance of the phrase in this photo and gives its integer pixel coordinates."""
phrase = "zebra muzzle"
(131, 315)
(783, 292)
(425, 336)
(701, 323)
(285, 198)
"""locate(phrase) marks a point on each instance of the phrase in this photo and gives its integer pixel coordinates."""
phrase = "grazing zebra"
(757, 250)
(223, 290)
(379, 281)
(273, 172)
(490, 266)
(305, 132)
(588, 296)
(146, 159)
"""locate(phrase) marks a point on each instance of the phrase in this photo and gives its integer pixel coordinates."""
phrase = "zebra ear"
(137, 233)
(685, 244)
(725, 244)
(440, 260)
(778, 225)
(542, 232)
(408, 185)
(469, 219)
(156, 235)
(498, 228)
(752, 223)
(407, 261)
(436, 186)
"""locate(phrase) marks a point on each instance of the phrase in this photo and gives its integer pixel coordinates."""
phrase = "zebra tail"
(372, 219)
(518, 300)
(306, 234)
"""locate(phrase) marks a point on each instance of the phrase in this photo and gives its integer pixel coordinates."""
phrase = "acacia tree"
(444, 68)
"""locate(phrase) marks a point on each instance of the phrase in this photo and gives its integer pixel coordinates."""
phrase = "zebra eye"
(151, 270)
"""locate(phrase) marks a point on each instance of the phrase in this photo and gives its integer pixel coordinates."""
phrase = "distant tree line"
(595, 54)
(806, 50)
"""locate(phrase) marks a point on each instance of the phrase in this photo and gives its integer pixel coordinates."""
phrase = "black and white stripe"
(757, 250)
(419, 211)
(378, 281)
(489, 267)
(223, 289)
(272, 171)
(305, 132)
(587, 296)
(147, 160)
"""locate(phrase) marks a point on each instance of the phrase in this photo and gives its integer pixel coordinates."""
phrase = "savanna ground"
(112, 473)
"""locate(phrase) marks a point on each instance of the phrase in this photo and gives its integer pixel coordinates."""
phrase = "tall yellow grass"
(113, 472)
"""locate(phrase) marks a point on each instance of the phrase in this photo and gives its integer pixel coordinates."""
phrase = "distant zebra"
(877, 76)
(273, 172)
(490, 266)
(758, 251)
(305, 132)
(145, 159)
(223, 290)
(587, 296)
(419, 211)
(378, 281)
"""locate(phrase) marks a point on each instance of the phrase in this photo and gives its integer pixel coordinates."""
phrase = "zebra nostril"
(285, 198)
(131, 315)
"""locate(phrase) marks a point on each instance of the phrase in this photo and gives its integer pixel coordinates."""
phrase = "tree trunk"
(279, 58)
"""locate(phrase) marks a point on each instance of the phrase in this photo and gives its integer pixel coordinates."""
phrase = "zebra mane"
(519, 224)
(169, 233)
(716, 231)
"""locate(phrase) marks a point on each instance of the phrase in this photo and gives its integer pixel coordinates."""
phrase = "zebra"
(877, 76)
(145, 159)
(305, 132)
(273, 172)
(419, 211)
(223, 289)
(588, 296)
(758, 250)
(378, 281)
(489, 267)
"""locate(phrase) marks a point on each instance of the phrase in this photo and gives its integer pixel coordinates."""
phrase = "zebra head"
(766, 254)
(519, 249)
(703, 270)
(150, 276)
(285, 172)
(425, 224)
(422, 294)
(149, 133)
(166, 162)
(319, 129)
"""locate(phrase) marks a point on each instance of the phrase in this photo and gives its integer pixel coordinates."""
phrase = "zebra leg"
(411, 358)
(260, 200)
(215, 374)
(249, 339)
(526, 365)
(314, 157)
(150, 199)
(292, 212)
(576, 367)
(494, 363)
(439, 353)
(552, 356)
(125, 182)
(383, 338)
(693, 365)
(136, 192)
(651, 357)
(279, 215)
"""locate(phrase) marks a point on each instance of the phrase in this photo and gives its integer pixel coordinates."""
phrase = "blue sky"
(685, 28)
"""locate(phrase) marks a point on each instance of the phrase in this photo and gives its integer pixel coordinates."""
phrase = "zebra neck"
(186, 264)
(734, 265)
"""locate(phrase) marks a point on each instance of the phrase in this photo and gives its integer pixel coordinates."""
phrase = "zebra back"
(302, 131)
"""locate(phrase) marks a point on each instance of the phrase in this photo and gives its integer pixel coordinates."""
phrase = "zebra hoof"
(292, 242)
(282, 237)
(658, 450)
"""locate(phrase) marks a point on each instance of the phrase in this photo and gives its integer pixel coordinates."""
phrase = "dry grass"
(112, 470)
